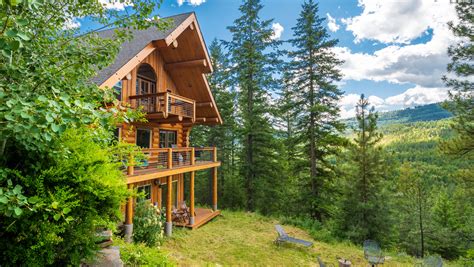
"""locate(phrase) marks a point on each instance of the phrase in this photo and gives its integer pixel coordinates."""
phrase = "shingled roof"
(129, 49)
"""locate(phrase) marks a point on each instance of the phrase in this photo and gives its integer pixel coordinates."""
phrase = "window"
(167, 139)
(118, 90)
(143, 138)
(146, 190)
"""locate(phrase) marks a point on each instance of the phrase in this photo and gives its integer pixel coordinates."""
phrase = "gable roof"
(129, 49)
(182, 43)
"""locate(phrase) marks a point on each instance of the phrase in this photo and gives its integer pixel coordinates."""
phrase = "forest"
(403, 178)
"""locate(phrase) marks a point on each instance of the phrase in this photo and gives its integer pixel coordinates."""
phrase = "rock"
(107, 257)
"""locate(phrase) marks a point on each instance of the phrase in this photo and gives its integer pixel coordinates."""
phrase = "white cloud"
(415, 96)
(422, 64)
(332, 25)
(191, 2)
(395, 21)
(277, 31)
(71, 23)
(115, 4)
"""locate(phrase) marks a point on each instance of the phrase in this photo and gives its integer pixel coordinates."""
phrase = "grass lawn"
(238, 238)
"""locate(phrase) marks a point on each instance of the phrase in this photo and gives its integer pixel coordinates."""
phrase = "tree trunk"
(420, 210)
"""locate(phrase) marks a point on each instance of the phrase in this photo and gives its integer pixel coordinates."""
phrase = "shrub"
(147, 224)
(138, 254)
(79, 191)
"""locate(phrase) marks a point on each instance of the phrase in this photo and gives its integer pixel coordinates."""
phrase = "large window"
(144, 138)
(118, 90)
(168, 139)
(146, 190)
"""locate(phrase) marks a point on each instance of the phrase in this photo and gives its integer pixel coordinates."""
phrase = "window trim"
(144, 129)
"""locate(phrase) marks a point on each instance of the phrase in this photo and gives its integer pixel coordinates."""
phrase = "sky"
(395, 51)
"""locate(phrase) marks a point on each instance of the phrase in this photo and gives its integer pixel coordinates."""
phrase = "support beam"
(200, 119)
(174, 44)
(204, 105)
(191, 199)
(169, 197)
(186, 64)
(212, 119)
(129, 218)
(191, 26)
(157, 116)
(214, 189)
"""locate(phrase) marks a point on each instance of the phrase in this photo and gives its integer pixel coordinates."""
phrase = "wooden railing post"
(166, 104)
(214, 188)
(130, 167)
(191, 196)
(170, 158)
(215, 154)
(193, 160)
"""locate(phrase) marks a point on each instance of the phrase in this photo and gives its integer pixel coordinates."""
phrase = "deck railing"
(166, 103)
(170, 158)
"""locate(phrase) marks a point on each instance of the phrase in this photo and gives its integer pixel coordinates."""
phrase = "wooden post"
(170, 158)
(191, 199)
(169, 222)
(129, 218)
(214, 188)
(215, 154)
(193, 160)
(130, 168)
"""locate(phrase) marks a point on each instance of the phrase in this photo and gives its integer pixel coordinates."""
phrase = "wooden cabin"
(164, 73)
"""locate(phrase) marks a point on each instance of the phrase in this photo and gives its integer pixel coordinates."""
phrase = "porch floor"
(202, 217)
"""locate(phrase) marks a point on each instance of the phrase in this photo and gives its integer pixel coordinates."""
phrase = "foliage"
(364, 212)
(80, 191)
(313, 72)
(147, 224)
(138, 254)
(461, 82)
(56, 170)
(255, 62)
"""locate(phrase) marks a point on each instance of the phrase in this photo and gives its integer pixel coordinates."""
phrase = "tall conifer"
(314, 72)
(254, 63)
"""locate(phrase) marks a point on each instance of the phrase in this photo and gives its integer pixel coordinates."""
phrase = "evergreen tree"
(462, 85)
(254, 62)
(314, 71)
(365, 210)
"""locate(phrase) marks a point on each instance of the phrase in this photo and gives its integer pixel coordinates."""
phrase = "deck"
(202, 217)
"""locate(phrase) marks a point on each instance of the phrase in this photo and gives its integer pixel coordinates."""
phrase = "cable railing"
(170, 158)
(166, 103)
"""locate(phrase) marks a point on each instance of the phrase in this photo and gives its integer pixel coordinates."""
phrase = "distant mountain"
(430, 112)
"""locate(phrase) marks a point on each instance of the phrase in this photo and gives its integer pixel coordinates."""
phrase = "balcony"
(165, 106)
(162, 162)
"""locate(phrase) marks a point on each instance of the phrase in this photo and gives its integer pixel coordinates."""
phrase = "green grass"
(238, 238)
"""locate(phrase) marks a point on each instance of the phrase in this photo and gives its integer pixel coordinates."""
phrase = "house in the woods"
(164, 73)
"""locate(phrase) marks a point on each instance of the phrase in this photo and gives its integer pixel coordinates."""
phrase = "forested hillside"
(430, 112)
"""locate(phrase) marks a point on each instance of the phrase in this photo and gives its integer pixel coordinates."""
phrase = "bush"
(77, 191)
(133, 254)
(147, 224)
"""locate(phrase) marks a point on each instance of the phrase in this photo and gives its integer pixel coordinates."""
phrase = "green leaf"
(55, 205)
(23, 36)
(55, 127)
(22, 22)
(18, 211)
(57, 217)
(66, 210)
(17, 189)
(3, 199)
(49, 118)
(11, 33)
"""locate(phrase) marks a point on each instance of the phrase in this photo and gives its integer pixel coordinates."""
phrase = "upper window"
(146, 80)
(143, 138)
(146, 190)
(167, 139)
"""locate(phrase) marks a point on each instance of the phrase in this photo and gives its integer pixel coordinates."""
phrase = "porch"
(201, 216)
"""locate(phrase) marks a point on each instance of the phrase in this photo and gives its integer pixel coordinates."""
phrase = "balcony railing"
(165, 103)
(171, 158)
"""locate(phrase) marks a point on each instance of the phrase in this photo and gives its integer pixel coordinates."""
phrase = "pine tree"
(254, 63)
(314, 71)
(365, 211)
(462, 85)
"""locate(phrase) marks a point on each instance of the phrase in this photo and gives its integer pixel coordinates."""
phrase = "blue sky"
(394, 51)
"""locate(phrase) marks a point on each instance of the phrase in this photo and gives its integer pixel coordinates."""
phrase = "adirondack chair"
(431, 261)
(283, 237)
(373, 253)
